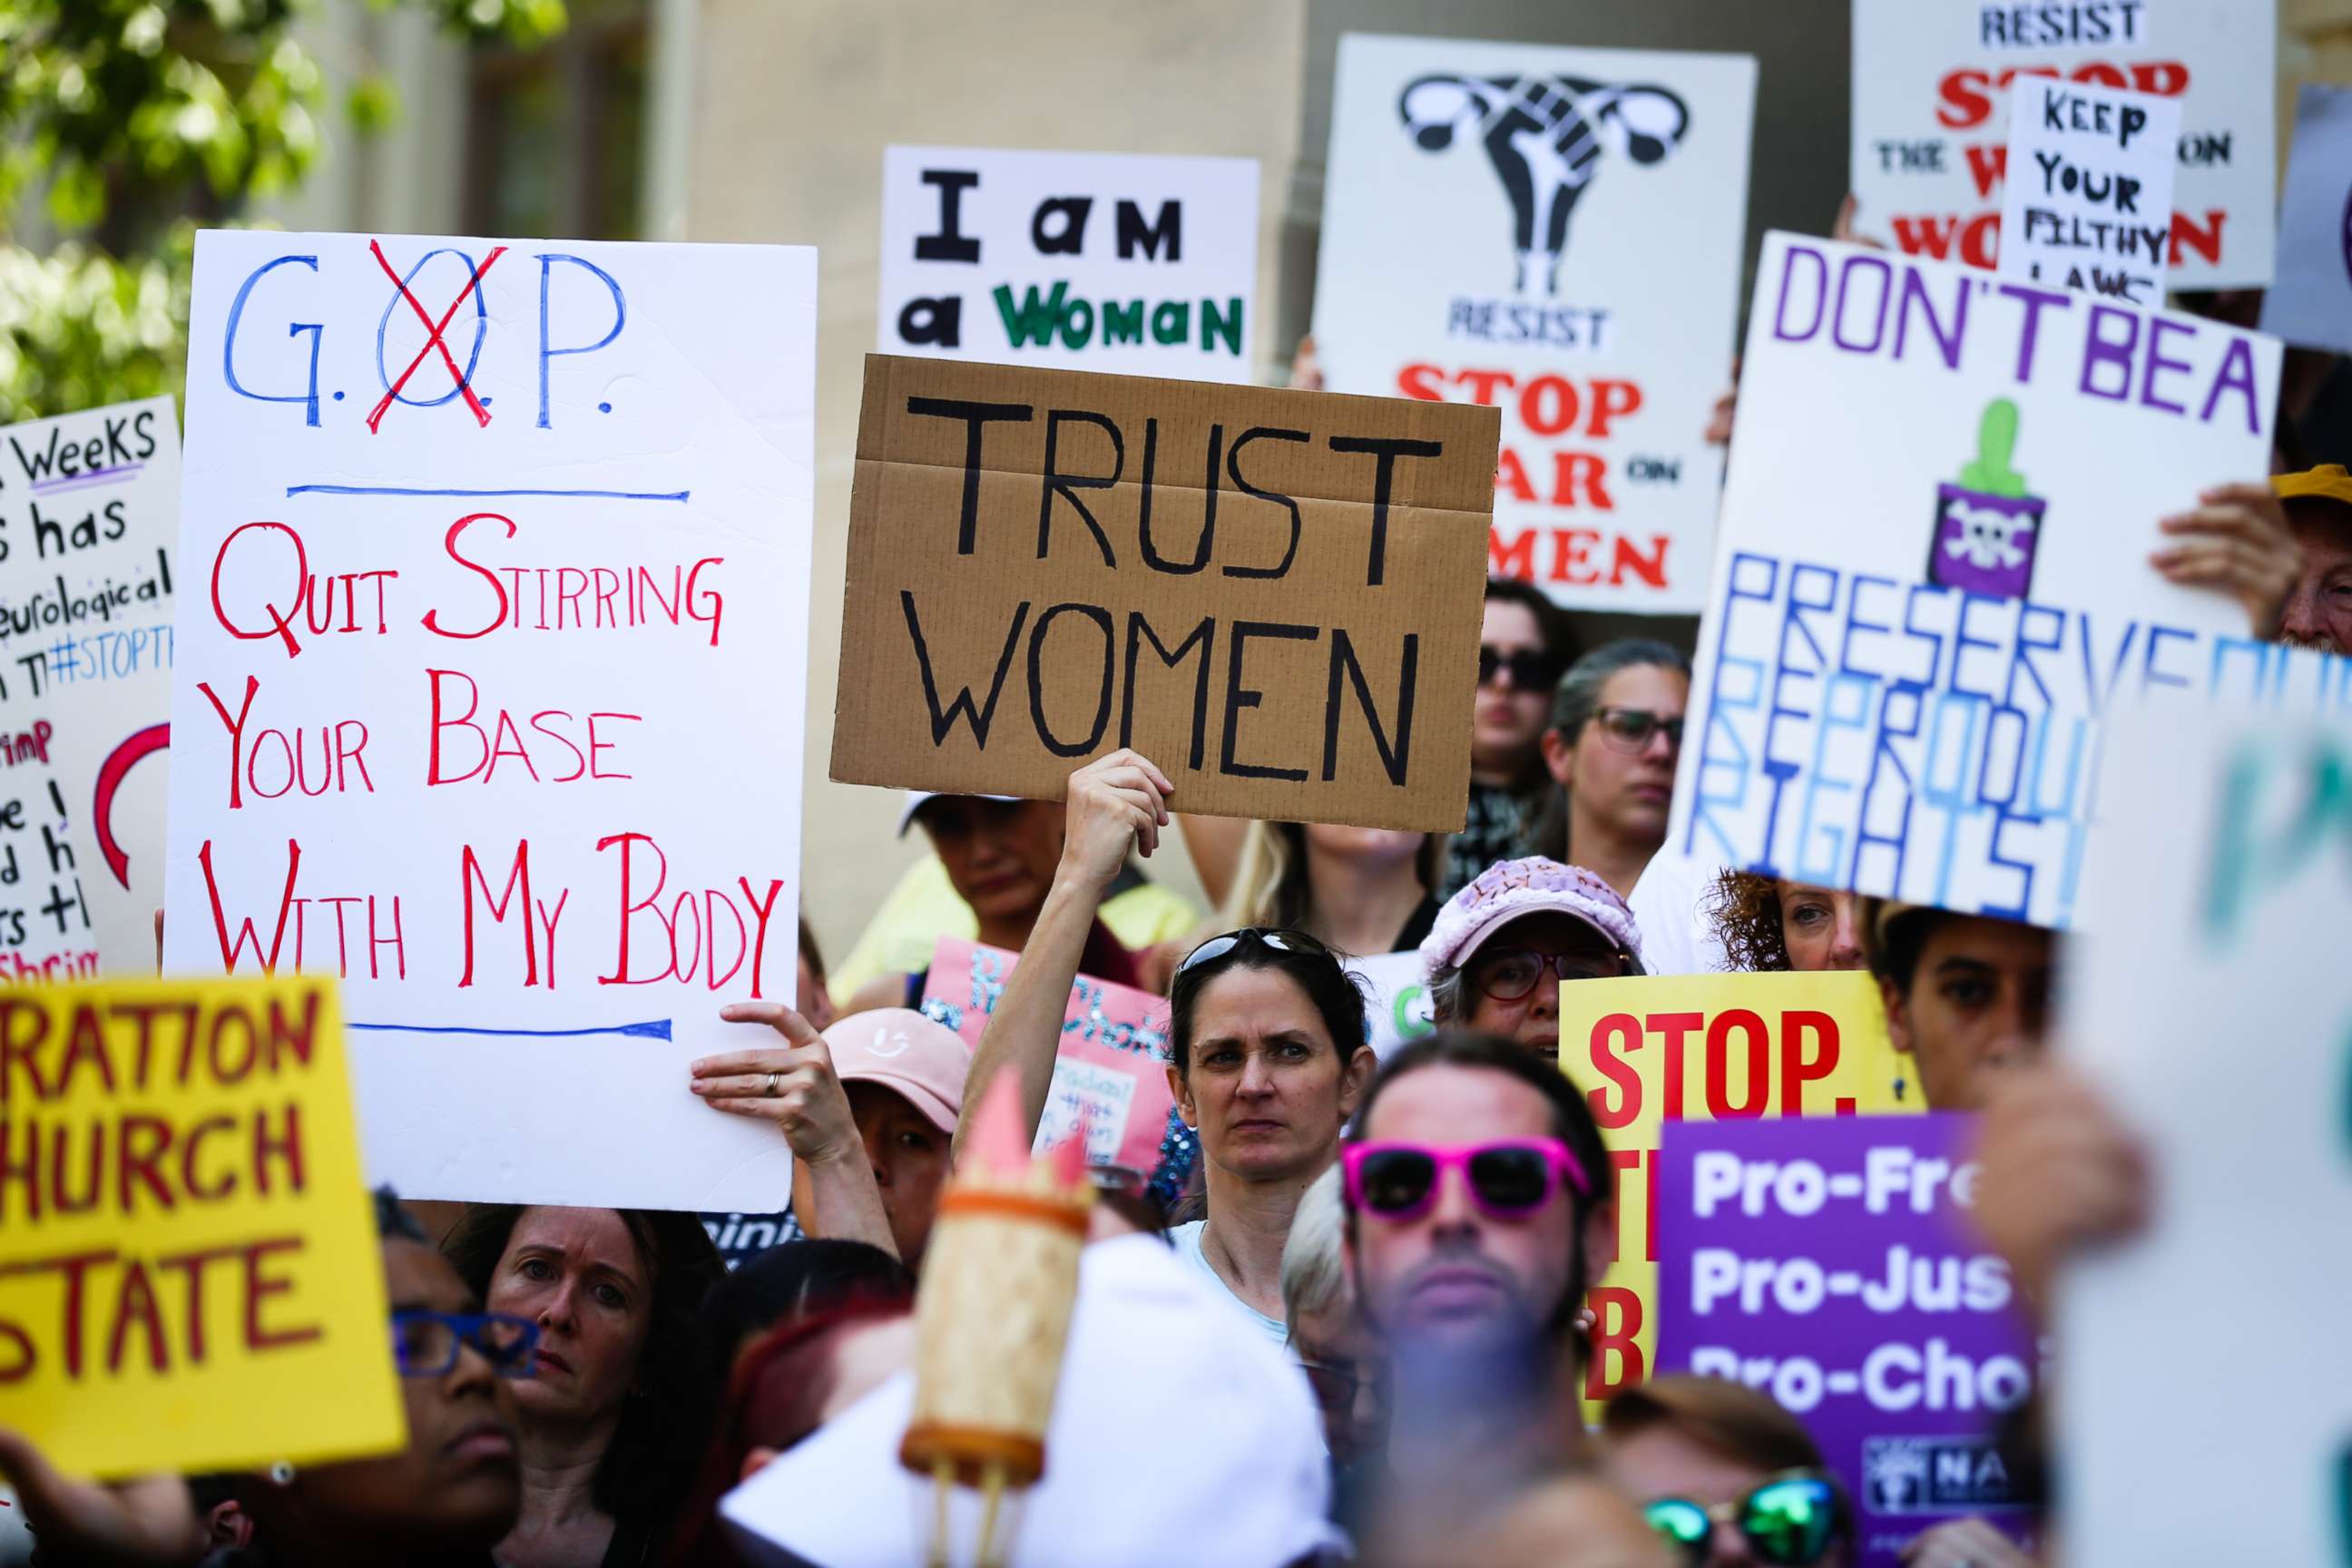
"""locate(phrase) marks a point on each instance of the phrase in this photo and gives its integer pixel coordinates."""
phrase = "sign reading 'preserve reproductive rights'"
(1924, 606)
(488, 690)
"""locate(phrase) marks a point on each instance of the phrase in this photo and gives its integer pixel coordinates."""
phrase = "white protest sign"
(2089, 203)
(1932, 110)
(2209, 998)
(1121, 262)
(2311, 303)
(89, 505)
(491, 704)
(1397, 1007)
(1935, 574)
(1557, 233)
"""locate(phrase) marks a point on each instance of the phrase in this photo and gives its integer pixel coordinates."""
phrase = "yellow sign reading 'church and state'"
(1694, 1047)
(189, 1273)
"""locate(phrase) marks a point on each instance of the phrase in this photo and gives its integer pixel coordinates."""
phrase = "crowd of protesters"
(1412, 1238)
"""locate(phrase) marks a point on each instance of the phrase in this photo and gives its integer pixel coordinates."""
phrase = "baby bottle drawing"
(1986, 525)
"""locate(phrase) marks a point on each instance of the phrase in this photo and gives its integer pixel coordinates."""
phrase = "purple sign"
(1827, 1262)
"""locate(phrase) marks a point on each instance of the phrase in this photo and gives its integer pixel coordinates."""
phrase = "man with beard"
(1479, 1206)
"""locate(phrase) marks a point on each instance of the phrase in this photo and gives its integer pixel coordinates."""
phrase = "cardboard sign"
(89, 504)
(1111, 1069)
(2090, 205)
(1274, 596)
(1556, 233)
(1830, 1264)
(490, 701)
(2311, 303)
(1121, 262)
(1931, 113)
(2214, 905)
(1397, 1009)
(1926, 602)
(187, 1253)
(1655, 1049)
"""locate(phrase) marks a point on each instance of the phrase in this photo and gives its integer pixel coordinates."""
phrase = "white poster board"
(2209, 999)
(2091, 205)
(1129, 263)
(2311, 303)
(1558, 233)
(1935, 574)
(1397, 1008)
(492, 703)
(90, 507)
(1931, 103)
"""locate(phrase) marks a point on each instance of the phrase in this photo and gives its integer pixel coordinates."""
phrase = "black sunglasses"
(1531, 669)
(1218, 947)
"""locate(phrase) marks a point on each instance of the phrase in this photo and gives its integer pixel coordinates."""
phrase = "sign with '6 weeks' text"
(1830, 1264)
(189, 1273)
(1932, 107)
(1935, 577)
(1656, 1049)
(1274, 596)
(2214, 907)
(1556, 233)
(1121, 262)
(89, 505)
(490, 700)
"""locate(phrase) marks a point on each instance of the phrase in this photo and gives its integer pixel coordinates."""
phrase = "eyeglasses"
(1791, 1521)
(1216, 947)
(1531, 669)
(1630, 729)
(1335, 1386)
(426, 1343)
(1508, 1177)
(1510, 974)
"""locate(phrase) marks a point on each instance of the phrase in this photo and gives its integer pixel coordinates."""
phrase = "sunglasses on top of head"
(1217, 947)
(1531, 669)
(1789, 1521)
(1508, 1177)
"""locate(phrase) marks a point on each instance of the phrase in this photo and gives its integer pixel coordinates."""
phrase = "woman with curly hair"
(1770, 926)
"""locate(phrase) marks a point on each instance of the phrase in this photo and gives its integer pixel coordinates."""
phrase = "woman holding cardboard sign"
(1265, 1029)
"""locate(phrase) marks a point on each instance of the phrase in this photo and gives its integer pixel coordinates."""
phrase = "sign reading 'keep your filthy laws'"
(1273, 595)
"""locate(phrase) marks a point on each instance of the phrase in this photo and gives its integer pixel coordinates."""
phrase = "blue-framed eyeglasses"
(426, 1343)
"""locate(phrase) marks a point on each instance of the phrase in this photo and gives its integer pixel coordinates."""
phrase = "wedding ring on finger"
(771, 1091)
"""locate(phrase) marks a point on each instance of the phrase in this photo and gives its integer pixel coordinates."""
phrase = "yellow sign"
(1695, 1048)
(189, 1273)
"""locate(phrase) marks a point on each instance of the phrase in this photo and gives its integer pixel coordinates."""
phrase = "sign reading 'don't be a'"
(1832, 1265)
(1274, 596)
(491, 705)
(189, 1273)
(2088, 205)
(1932, 106)
(1924, 606)
(89, 505)
(1121, 262)
(1556, 233)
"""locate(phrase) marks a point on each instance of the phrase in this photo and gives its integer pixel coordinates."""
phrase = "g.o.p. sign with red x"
(553, 325)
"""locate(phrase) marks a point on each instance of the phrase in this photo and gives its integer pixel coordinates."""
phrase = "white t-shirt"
(1670, 906)
(1186, 1239)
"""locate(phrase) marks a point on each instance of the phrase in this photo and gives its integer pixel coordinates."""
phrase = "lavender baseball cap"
(1510, 889)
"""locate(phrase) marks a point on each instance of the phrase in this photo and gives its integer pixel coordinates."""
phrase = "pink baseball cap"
(922, 1062)
(1510, 889)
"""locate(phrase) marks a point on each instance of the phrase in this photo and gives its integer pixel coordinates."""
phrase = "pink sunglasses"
(1507, 1178)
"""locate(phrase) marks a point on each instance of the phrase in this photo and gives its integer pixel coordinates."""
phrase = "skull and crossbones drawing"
(1988, 537)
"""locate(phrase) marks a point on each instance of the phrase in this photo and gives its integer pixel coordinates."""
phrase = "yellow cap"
(2326, 482)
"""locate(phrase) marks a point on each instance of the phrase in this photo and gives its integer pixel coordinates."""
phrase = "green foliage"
(132, 120)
